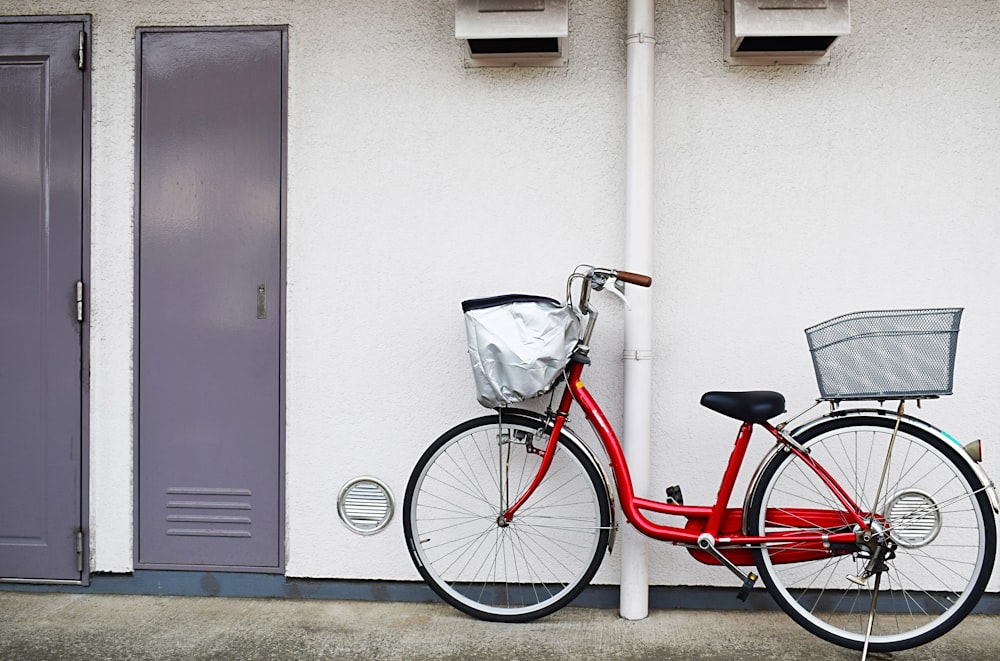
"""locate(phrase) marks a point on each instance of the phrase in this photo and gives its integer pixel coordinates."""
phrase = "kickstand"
(871, 616)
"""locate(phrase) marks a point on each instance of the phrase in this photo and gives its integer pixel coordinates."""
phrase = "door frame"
(83, 552)
(282, 268)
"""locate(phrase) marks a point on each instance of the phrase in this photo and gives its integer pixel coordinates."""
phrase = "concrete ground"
(54, 626)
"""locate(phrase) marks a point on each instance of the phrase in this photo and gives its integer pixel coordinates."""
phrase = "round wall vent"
(914, 518)
(365, 505)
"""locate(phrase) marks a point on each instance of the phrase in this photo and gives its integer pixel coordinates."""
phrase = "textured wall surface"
(786, 195)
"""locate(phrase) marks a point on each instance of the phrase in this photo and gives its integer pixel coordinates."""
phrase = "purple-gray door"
(210, 161)
(42, 111)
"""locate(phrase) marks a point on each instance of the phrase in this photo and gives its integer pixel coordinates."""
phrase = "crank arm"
(707, 543)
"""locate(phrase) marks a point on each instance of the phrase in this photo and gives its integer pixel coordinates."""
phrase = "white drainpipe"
(640, 58)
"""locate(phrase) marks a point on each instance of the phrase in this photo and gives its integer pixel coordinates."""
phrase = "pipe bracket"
(639, 38)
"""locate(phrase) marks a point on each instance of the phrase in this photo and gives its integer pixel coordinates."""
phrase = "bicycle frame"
(723, 524)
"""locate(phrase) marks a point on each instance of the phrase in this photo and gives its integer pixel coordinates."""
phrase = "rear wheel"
(935, 552)
(507, 572)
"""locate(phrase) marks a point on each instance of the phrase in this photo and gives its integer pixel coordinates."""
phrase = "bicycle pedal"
(747, 586)
(674, 496)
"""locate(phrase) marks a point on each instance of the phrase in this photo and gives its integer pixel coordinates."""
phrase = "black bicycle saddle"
(750, 406)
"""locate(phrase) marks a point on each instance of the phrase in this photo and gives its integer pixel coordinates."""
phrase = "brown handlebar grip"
(634, 278)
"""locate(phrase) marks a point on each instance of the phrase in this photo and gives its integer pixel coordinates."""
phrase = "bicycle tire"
(936, 510)
(539, 561)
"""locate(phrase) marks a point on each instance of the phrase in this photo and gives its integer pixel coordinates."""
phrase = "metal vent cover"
(914, 518)
(512, 32)
(784, 31)
(365, 505)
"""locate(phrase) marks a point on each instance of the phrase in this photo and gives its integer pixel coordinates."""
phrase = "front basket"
(518, 345)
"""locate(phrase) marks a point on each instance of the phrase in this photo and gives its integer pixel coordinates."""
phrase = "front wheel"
(486, 567)
(933, 518)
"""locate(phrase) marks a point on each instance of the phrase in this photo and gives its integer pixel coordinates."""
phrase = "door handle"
(261, 302)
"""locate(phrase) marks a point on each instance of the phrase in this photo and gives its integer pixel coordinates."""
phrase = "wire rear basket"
(886, 354)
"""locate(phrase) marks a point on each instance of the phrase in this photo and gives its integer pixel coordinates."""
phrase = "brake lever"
(617, 290)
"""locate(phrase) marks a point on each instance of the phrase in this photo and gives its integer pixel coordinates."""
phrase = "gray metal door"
(210, 211)
(42, 195)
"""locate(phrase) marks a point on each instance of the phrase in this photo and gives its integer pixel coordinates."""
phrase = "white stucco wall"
(792, 194)
(787, 195)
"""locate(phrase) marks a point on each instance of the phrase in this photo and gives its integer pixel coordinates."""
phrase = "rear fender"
(985, 482)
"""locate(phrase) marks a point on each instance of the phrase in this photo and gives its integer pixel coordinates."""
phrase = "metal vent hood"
(512, 32)
(784, 31)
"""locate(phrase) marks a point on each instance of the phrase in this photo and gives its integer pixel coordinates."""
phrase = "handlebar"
(634, 278)
(595, 279)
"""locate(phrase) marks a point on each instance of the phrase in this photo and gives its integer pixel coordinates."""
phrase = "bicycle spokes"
(509, 570)
(919, 559)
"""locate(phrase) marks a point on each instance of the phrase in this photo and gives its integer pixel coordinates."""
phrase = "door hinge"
(79, 551)
(81, 53)
(79, 300)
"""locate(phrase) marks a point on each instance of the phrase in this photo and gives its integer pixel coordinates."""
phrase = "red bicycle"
(869, 527)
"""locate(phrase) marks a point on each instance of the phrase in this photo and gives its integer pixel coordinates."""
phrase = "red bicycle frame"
(724, 524)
